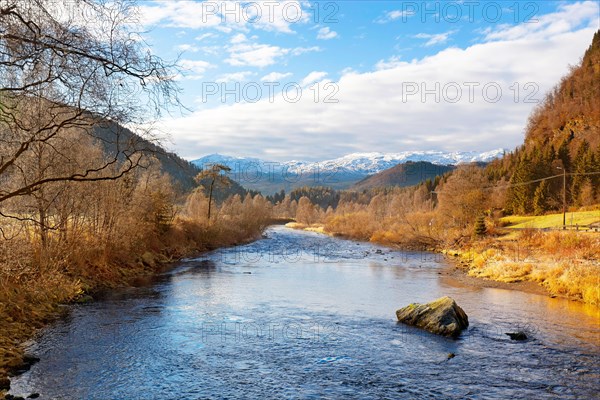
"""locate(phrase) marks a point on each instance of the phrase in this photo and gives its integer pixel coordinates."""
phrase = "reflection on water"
(301, 315)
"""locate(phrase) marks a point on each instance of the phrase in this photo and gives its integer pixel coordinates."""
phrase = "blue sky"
(361, 76)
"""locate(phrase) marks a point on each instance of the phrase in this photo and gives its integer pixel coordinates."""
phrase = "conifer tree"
(519, 195)
(540, 198)
(583, 164)
(480, 229)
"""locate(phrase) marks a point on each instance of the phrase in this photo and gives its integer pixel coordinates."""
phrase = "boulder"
(148, 259)
(84, 299)
(442, 317)
(520, 335)
(4, 383)
(11, 397)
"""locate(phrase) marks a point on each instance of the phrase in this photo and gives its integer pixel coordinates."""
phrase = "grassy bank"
(319, 228)
(36, 280)
(565, 263)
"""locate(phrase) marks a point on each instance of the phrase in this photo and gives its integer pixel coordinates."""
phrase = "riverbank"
(459, 274)
(299, 325)
(564, 263)
(38, 298)
(556, 264)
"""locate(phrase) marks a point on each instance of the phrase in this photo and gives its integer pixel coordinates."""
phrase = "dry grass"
(28, 297)
(318, 228)
(414, 230)
(35, 280)
(565, 263)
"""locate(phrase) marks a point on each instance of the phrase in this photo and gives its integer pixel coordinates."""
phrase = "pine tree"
(563, 154)
(519, 195)
(584, 163)
(596, 168)
(480, 229)
(540, 198)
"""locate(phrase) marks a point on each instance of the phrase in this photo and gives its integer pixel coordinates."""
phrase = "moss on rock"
(442, 317)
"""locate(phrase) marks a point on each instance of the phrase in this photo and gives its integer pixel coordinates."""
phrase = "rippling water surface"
(302, 315)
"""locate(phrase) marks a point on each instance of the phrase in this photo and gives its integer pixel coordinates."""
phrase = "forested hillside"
(113, 138)
(406, 174)
(571, 111)
(562, 138)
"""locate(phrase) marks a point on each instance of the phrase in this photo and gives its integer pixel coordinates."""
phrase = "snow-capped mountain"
(340, 173)
(360, 163)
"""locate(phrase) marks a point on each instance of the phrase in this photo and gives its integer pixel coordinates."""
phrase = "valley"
(369, 229)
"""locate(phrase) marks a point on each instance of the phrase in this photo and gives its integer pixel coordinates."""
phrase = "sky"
(283, 80)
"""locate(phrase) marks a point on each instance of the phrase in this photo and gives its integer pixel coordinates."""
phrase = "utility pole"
(564, 199)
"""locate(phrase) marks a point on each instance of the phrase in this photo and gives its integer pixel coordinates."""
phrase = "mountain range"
(340, 173)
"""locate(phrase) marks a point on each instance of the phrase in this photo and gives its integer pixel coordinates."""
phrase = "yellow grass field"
(552, 220)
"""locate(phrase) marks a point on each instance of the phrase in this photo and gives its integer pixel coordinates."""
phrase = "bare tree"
(75, 67)
(462, 197)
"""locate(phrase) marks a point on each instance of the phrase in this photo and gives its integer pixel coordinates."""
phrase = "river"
(303, 315)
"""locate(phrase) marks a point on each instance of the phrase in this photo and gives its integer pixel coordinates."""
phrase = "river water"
(302, 315)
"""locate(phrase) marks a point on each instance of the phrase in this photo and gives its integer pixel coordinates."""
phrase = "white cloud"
(211, 50)
(275, 76)
(239, 38)
(437, 38)
(372, 115)
(567, 18)
(284, 15)
(224, 29)
(326, 34)
(178, 14)
(187, 47)
(235, 77)
(204, 36)
(301, 50)
(194, 69)
(314, 76)
(393, 62)
(254, 54)
(245, 53)
(225, 16)
(394, 15)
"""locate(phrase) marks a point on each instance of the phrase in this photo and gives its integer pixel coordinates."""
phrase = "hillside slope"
(406, 174)
(562, 137)
(571, 111)
(182, 172)
(114, 138)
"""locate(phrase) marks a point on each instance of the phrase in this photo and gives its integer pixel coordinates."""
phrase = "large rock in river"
(442, 316)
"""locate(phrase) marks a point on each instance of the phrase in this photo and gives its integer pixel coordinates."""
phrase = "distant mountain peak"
(365, 163)
(271, 176)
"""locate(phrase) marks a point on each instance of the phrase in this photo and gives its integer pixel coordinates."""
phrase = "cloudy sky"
(317, 80)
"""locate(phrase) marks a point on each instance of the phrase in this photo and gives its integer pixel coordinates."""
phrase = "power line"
(541, 179)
